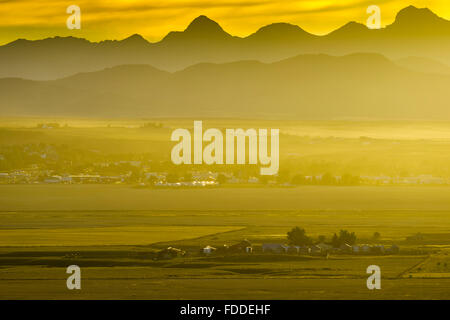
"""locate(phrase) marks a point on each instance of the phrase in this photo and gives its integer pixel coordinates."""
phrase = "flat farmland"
(119, 198)
(127, 235)
(112, 232)
(138, 283)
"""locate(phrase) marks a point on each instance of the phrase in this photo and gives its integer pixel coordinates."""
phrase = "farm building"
(53, 179)
(393, 249)
(305, 250)
(345, 248)
(294, 249)
(243, 246)
(315, 250)
(274, 248)
(378, 249)
(208, 250)
(324, 247)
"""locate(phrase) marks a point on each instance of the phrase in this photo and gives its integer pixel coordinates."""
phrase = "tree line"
(297, 237)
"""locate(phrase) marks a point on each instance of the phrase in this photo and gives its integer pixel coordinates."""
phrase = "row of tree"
(297, 236)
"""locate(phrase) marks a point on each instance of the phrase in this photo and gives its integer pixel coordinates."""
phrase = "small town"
(49, 164)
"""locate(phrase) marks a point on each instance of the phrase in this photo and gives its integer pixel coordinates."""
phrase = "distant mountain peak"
(202, 25)
(354, 25)
(411, 10)
(202, 21)
(281, 27)
(135, 38)
(350, 28)
(280, 32)
(413, 16)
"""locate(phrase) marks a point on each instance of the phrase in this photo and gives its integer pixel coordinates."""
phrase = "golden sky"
(101, 19)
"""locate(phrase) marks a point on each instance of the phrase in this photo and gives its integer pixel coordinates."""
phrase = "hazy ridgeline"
(279, 72)
(415, 32)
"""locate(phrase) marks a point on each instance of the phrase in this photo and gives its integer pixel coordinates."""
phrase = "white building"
(208, 250)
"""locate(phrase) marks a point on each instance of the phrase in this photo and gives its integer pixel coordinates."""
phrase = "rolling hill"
(312, 86)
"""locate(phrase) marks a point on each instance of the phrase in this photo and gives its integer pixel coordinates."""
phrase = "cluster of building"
(85, 178)
(17, 177)
(34, 177)
(423, 179)
(320, 249)
(323, 248)
(196, 179)
(37, 160)
(185, 184)
(156, 179)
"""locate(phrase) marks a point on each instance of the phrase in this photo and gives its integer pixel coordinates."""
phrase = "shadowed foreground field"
(256, 277)
(116, 248)
(289, 289)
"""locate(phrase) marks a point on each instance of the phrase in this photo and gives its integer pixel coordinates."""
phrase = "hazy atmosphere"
(225, 150)
(119, 19)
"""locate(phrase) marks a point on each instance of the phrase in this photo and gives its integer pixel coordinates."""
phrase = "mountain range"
(312, 86)
(415, 32)
(280, 71)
